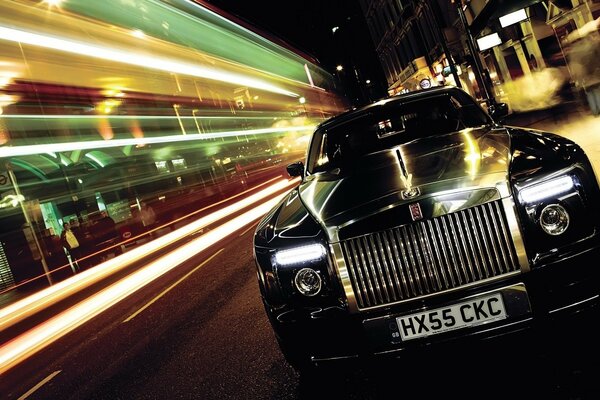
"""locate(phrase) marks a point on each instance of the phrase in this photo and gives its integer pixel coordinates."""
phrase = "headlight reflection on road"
(44, 334)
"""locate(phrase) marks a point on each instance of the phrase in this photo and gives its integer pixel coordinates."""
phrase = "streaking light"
(128, 57)
(46, 333)
(103, 144)
(138, 34)
(17, 311)
(547, 189)
(53, 3)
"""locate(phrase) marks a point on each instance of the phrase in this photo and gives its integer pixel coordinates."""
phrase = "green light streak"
(191, 25)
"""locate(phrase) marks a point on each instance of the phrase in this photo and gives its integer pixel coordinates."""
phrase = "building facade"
(420, 43)
(531, 47)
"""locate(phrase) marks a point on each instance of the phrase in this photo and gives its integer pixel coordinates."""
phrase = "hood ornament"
(409, 191)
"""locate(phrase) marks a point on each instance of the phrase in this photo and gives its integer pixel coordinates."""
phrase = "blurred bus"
(106, 106)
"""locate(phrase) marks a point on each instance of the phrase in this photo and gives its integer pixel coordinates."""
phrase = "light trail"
(15, 151)
(131, 117)
(30, 305)
(139, 60)
(167, 290)
(34, 340)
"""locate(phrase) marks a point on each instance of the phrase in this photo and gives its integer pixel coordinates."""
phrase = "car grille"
(430, 256)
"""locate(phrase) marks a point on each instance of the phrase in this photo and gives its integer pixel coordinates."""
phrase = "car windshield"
(392, 124)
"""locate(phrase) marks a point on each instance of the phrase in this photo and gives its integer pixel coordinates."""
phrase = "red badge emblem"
(415, 211)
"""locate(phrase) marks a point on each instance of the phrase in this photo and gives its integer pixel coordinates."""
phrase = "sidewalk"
(574, 122)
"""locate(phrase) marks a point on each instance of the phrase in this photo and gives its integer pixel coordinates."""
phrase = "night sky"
(307, 25)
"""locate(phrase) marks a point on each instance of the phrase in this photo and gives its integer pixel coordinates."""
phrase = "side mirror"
(498, 111)
(296, 169)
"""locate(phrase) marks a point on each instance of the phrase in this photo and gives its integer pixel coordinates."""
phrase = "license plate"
(477, 311)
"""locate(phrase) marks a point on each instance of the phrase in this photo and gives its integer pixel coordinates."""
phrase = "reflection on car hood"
(468, 159)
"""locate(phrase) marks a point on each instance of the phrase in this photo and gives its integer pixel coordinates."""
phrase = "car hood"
(465, 161)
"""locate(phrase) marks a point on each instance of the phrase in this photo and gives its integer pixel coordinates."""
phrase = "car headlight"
(308, 282)
(554, 219)
(547, 189)
(299, 255)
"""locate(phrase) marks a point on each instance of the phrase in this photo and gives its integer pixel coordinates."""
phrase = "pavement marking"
(132, 316)
(39, 385)
(246, 231)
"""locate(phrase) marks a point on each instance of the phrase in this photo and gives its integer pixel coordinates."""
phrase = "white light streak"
(138, 34)
(128, 117)
(129, 57)
(17, 311)
(46, 333)
(16, 151)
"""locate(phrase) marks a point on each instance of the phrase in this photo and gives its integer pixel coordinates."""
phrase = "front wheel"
(297, 357)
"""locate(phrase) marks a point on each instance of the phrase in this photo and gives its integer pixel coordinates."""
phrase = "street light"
(302, 101)
(339, 67)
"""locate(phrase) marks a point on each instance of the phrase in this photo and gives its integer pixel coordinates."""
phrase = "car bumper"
(552, 302)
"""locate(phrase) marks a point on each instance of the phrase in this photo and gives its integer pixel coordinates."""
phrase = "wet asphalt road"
(209, 338)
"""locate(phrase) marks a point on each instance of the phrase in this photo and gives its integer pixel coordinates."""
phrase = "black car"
(420, 220)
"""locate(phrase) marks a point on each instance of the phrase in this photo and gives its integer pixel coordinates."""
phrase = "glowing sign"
(425, 83)
(489, 41)
(513, 17)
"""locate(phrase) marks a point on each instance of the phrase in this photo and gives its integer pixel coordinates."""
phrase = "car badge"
(409, 191)
(415, 211)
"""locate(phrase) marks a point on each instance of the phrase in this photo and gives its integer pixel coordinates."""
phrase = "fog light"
(554, 219)
(308, 282)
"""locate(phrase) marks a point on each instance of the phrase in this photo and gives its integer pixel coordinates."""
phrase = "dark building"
(418, 41)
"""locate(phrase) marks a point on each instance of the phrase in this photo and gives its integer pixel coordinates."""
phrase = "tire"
(296, 357)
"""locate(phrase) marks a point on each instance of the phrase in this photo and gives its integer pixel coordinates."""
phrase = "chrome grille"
(430, 256)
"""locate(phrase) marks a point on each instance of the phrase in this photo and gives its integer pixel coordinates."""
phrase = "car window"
(390, 125)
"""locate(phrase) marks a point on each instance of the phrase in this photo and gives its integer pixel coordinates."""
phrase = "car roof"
(355, 112)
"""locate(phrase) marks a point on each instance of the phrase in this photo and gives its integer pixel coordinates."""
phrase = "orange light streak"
(168, 224)
(105, 129)
(49, 331)
(40, 300)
